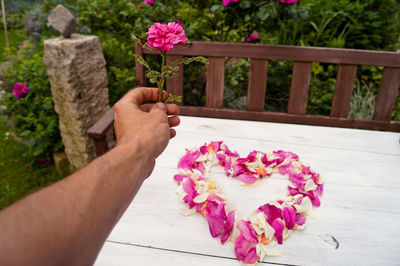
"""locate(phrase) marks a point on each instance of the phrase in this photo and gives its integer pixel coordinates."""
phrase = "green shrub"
(33, 116)
(359, 24)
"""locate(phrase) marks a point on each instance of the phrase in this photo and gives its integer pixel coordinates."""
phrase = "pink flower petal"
(300, 219)
(188, 160)
(247, 231)
(289, 215)
(216, 217)
(247, 178)
(272, 212)
(213, 197)
(228, 152)
(189, 188)
(19, 90)
(179, 178)
(288, 1)
(245, 251)
(277, 224)
(230, 221)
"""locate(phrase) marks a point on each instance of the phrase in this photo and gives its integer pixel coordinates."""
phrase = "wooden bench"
(347, 60)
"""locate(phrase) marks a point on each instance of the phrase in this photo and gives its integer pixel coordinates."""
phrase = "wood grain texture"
(140, 74)
(100, 128)
(257, 85)
(352, 163)
(343, 90)
(175, 84)
(387, 94)
(299, 88)
(288, 52)
(100, 146)
(215, 82)
(315, 120)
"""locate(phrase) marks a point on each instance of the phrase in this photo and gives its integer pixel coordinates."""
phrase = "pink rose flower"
(19, 90)
(226, 2)
(252, 37)
(149, 2)
(288, 1)
(163, 37)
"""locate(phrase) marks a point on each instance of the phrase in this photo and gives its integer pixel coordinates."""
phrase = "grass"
(15, 38)
(17, 177)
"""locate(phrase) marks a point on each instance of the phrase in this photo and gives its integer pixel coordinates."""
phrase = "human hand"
(146, 126)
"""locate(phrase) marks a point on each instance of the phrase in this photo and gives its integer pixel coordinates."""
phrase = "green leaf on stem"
(175, 62)
(173, 98)
(141, 61)
(168, 74)
(133, 36)
(153, 75)
(201, 59)
(169, 68)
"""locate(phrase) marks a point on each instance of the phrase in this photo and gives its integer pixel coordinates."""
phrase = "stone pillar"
(78, 79)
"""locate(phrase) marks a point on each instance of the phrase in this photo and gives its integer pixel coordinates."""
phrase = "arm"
(68, 222)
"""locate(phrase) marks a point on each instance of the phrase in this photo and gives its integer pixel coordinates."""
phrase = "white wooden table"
(360, 206)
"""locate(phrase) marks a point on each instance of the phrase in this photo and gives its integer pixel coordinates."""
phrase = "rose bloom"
(163, 37)
(19, 90)
(149, 2)
(226, 2)
(252, 37)
(288, 1)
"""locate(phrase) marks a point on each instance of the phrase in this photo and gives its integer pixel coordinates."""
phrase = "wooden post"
(3, 11)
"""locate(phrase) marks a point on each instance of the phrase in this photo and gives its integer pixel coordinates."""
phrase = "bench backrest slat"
(140, 74)
(215, 82)
(288, 52)
(387, 94)
(299, 88)
(175, 84)
(257, 85)
(343, 90)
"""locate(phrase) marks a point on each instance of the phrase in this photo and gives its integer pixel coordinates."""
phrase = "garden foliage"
(366, 24)
(33, 115)
(360, 24)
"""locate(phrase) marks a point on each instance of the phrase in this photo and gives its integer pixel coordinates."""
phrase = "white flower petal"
(201, 198)
(305, 206)
(310, 185)
(188, 212)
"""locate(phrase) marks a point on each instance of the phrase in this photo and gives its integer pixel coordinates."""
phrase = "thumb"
(159, 106)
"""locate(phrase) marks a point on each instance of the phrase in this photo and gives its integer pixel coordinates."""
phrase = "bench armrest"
(98, 132)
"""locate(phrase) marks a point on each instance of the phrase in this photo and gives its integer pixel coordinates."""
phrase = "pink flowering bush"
(163, 37)
(226, 2)
(288, 1)
(19, 90)
(252, 37)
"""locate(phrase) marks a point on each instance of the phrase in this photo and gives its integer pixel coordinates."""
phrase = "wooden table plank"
(326, 137)
(155, 220)
(119, 254)
(359, 206)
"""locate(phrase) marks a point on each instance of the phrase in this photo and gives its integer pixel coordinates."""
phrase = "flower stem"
(161, 83)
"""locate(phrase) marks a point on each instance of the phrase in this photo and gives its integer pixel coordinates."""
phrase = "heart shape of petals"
(270, 223)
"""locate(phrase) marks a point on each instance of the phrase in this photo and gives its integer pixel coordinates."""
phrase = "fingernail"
(161, 106)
